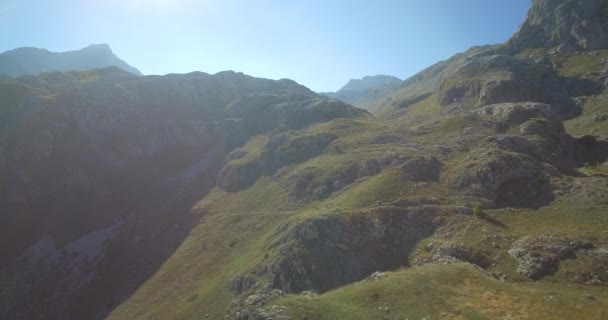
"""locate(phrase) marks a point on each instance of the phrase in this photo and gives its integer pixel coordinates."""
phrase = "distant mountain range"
(362, 92)
(33, 61)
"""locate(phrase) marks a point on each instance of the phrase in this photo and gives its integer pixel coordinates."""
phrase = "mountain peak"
(101, 47)
(32, 61)
(370, 82)
(568, 25)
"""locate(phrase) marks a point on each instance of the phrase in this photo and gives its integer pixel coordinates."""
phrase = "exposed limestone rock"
(507, 179)
(513, 114)
(377, 276)
(330, 251)
(539, 256)
(568, 25)
(498, 78)
(449, 252)
(543, 135)
(242, 284)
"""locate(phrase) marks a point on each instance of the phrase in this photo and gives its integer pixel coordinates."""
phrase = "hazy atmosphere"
(303, 160)
(299, 40)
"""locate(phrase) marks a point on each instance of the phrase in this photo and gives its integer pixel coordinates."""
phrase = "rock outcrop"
(330, 251)
(507, 179)
(326, 252)
(279, 151)
(498, 78)
(540, 256)
(568, 25)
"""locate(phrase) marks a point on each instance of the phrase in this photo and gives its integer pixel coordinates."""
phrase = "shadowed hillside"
(478, 191)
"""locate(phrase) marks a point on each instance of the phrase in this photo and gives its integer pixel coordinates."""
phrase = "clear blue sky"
(318, 43)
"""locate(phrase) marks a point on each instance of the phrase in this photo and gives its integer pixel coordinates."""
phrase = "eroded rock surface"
(566, 24)
(538, 256)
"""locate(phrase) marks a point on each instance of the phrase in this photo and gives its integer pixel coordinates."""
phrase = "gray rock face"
(331, 251)
(543, 135)
(499, 78)
(326, 252)
(567, 24)
(449, 252)
(539, 256)
(507, 179)
(513, 114)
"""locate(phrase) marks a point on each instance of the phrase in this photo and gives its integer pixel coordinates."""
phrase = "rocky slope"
(33, 61)
(100, 168)
(479, 192)
(571, 26)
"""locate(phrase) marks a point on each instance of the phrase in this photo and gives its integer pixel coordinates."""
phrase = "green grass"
(579, 64)
(493, 233)
(595, 169)
(236, 229)
(458, 291)
(386, 186)
(231, 237)
(585, 124)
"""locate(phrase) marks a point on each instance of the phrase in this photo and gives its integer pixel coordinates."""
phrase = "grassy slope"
(458, 291)
(585, 65)
(463, 291)
(232, 236)
(235, 230)
(229, 238)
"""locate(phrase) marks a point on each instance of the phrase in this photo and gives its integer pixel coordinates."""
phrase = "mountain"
(360, 92)
(101, 168)
(370, 82)
(478, 191)
(572, 26)
(33, 61)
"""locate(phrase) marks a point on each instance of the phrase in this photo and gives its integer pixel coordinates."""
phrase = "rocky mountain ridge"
(88, 151)
(477, 192)
(33, 61)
